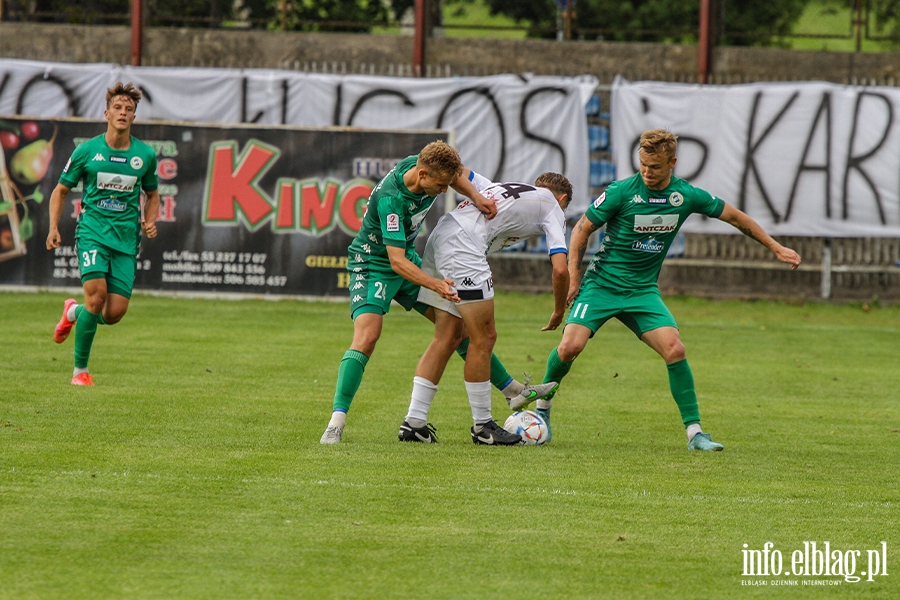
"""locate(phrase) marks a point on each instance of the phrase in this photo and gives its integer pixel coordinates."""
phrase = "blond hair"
(440, 160)
(556, 183)
(121, 89)
(659, 141)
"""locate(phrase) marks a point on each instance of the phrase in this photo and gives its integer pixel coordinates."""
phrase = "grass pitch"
(194, 470)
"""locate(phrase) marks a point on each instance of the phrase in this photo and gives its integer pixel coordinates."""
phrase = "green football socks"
(85, 329)
(556, 368)
(350, 375)
(681, 382)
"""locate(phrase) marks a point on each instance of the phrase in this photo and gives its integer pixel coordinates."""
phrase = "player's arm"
(577, 247)
(151, 211)
(57, 202)
(408, 270)
(463, 186)
(560, 290)
(746, 225)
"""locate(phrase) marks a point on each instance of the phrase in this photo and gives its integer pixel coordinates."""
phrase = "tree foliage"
(887, 17)
(744, 21)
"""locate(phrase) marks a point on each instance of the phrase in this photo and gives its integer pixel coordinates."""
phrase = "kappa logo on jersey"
(357, 298)
(99, 157)
(367, 248)
(359, 276)
(657, 200)
(467, 282)
(112, 204)
(373, 238)
(118, 159)
(655, 223)
(648, 245)
(136, 162)
(358, 258)
(357, 286)
(637, 199)
(393, 222)
(599, 200)
(114, 181)
(676, 199)
(357, 270)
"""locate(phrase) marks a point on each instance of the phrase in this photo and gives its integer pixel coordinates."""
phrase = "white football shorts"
(454, 253)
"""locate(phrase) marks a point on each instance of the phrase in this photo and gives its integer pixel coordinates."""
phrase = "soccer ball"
(530, 425)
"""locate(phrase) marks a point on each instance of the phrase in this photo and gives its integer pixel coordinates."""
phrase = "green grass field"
(828, 19)
(194, 470)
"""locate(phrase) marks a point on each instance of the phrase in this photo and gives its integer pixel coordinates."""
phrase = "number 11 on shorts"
(580, 310)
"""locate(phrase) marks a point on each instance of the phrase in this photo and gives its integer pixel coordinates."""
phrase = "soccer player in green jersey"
(642, 215)
(113, 167)
(384, 266)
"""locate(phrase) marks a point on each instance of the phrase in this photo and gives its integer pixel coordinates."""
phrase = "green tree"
(887, 17)
(746, 22)
(324, 15)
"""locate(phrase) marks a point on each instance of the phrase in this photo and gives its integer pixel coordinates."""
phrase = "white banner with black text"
(507, 127)
(801, 158)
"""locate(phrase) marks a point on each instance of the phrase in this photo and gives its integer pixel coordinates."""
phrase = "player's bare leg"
(479, 320)
(447, 336)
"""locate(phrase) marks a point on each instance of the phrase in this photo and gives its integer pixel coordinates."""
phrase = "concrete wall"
(457, 56)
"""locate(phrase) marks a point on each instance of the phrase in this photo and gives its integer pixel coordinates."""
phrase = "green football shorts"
(96, 261)
(641, 311)
(371, 291)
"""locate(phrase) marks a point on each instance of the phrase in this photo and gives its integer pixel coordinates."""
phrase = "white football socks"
(480, 400)
(693, 430)
(338, 419)
(422, 394)
(70, 314)
(513, 389)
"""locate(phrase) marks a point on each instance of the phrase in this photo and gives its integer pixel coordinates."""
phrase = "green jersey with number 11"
(640, 226)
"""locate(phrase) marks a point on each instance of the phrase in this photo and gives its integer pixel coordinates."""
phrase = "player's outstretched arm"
(406, 269)
(577, 247)
(743, 223)
(560, 290)
(463, 186)
(151, 211)
(57, 201)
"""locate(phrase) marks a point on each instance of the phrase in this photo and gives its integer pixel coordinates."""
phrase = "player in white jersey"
(457, 250)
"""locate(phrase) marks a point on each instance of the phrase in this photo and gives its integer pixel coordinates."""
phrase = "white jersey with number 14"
(523, 211)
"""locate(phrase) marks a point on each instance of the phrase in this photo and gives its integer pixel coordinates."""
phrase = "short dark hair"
(556, 183)
(121, 89)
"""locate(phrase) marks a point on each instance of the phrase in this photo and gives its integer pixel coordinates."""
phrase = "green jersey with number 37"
(640, 226)
(112, 182)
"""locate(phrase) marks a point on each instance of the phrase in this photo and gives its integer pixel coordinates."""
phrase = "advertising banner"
(801, 158)
(244, 209)
(507, 127)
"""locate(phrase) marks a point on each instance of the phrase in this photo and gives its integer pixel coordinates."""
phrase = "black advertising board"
(244, 209)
